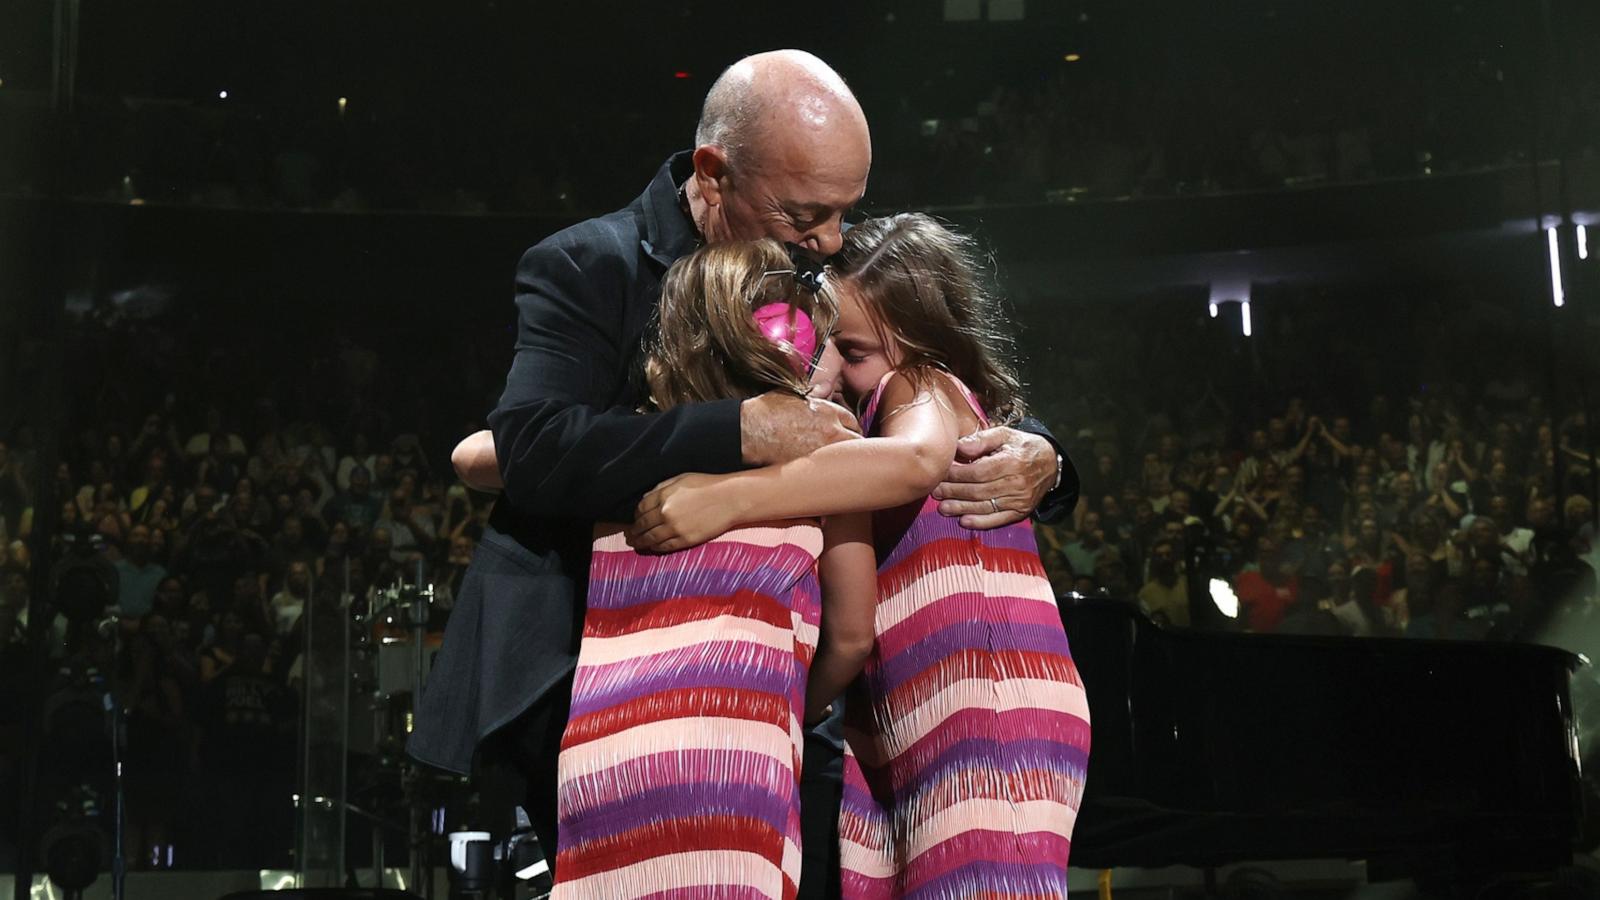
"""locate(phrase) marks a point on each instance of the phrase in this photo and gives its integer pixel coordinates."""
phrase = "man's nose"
(825, 241)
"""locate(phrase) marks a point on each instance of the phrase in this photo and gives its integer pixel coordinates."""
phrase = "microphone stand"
(118, 723)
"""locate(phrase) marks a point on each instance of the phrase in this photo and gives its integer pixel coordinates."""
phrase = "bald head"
(782, 93)
(782, 151)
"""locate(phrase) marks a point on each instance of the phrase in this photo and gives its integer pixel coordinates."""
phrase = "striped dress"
(679, 768)
(968, 736)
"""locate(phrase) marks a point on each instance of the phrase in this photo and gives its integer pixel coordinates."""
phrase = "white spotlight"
(1557, 295)
(1213, 306)
(1223, 596)
(1244, 317)
(1583, 242)
(222, 95)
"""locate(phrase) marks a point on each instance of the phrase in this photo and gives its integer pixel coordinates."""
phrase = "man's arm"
(1017, 469)
(561, 451)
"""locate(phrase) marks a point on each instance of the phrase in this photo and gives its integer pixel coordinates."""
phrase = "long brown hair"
(920, 283)
(706, 345)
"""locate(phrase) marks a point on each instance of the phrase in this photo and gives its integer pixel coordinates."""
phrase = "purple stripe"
(964, 606)
(613, 593)
(634, 809)
(969, 635)
(787, 560)
(753, 668)
(930, 526)
(1061, 727)
(857, 799)
(1017, 754)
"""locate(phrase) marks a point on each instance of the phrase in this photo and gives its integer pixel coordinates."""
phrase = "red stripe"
(947, 552)
(745, 603)
(976, 663)
(673, 835)
(732, 703)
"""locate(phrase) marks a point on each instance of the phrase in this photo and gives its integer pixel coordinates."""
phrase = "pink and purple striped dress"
(679, 768)
(968, 735)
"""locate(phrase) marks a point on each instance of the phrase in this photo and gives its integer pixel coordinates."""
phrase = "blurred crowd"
(193, 532)
(1071, 131)
(1429, 489)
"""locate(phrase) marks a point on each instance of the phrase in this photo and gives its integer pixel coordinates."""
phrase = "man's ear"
(710, 167)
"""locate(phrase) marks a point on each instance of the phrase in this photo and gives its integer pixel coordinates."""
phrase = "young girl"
(679, 767)
(969, 735)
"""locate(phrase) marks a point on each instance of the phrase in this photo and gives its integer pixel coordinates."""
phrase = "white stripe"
(954, 579)
(600, 651)
(986, 693)
(995, 815)
(690, 733)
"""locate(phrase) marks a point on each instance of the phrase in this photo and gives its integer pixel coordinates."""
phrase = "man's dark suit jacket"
(573, 451)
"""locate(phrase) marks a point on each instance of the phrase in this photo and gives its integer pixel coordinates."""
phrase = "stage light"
(680, 75)
(1583, 242)
(1557, 295)
(342, 103)
(1223, 596)
(1212, 306)
(1072, 57)
(1244, 317)
(222, 95)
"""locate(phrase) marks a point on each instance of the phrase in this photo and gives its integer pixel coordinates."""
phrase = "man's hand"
(679, 513)
(998, 477)
(777, 427)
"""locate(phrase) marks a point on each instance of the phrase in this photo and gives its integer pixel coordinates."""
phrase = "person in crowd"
(138, 575)
(1165, 594)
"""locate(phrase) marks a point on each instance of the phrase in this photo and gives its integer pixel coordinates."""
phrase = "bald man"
(782, 151)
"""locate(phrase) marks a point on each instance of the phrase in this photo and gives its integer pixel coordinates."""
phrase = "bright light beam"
(1223, 596)
(1557, 295)
(1213, 305)
(1583, 242)
(1244, 316)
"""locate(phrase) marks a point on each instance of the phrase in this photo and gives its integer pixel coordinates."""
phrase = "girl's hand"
(682, 512)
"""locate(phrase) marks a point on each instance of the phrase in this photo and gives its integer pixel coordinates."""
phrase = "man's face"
(1278, 432)
(1369, 532)
(795, 189)
(138, 544)
(1499, 507)
(299, 577)
(169, 595)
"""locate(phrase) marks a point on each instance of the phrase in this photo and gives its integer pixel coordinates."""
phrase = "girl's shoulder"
(903, 387)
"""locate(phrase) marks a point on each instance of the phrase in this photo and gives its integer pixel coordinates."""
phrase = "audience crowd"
(1453, 503)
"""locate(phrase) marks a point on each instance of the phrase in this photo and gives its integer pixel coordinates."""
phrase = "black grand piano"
(1439, 760)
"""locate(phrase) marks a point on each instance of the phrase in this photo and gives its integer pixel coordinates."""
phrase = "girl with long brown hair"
(969, 732)
(679, 767)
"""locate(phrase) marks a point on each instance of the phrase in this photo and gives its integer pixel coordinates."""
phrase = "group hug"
(761, 612)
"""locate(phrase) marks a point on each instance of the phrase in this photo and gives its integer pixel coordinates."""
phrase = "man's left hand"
(999, 477)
